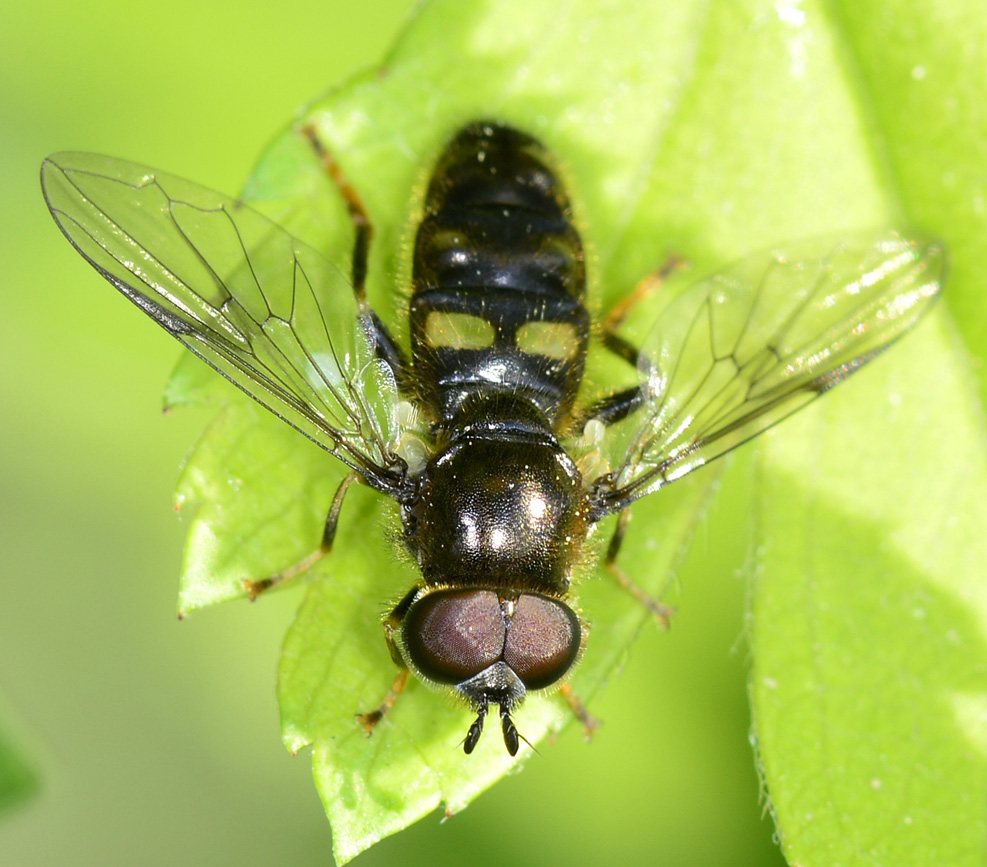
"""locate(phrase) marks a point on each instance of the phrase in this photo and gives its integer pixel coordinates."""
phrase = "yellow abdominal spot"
(445, 330)
(552, 339)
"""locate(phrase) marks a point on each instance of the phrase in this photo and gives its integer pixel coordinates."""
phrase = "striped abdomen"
(498, 283)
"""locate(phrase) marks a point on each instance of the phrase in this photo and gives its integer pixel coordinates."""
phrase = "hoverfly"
(504, 475)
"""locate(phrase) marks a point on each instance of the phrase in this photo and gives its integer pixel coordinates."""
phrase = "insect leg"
(255, 588)
(391, 625)
(589, 722)
(368, 721)
(663, 613)
(358, 214)
(616, 407)
(387, 348)
(648, 286)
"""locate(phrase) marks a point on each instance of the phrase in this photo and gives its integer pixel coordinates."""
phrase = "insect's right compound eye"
(452, 635)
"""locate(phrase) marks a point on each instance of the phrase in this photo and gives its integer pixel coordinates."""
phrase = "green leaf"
(869, 681)
(260, 491)
(918, 70)
(18, 780)
(708, 131)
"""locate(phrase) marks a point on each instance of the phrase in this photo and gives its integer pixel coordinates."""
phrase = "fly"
(475, 428)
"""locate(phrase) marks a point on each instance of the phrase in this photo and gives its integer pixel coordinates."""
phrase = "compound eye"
(543, 641)
(451, 635)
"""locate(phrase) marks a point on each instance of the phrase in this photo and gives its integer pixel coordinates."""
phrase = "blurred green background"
(157, 742)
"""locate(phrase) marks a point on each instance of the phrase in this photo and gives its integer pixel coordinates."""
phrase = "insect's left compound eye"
(543, 640)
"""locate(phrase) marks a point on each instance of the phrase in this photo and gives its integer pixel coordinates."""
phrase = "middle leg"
(255, 588)
(662, 613)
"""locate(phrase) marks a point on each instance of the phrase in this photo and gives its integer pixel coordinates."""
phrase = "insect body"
(498, 338)
(495, 507)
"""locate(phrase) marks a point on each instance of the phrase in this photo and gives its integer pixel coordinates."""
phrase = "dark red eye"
(543, 640)
(452, 635)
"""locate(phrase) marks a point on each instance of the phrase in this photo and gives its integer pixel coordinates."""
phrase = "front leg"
(392, 625)
(589, 722)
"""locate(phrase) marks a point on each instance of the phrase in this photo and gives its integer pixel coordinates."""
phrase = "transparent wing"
(747, 347)
(264, 309)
